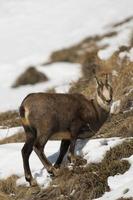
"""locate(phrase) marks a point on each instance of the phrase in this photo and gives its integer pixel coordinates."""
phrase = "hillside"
(67, 62)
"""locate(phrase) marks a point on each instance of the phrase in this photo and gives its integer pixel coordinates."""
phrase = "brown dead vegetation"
(76, 53)
(130, 198)
(84, 53)
(76, 183)
(120, 125)
(88, 182)
(91, 181)
(9, 119)
(128, 19)
(8, 186)
(10, 191)
(30, 76)
(124, 82)
(19, 137)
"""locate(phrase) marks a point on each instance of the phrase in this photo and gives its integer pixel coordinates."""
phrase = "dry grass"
(9, 119)
(124, 82)
(10, 191)
(120, 125)
(128, 19)
(77, 53)
(19, 137)
(78, 183)
(91, 181)
(8, 186)
(131, 198)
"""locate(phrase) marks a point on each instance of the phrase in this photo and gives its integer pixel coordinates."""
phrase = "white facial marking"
(106, 93)
(102, 104)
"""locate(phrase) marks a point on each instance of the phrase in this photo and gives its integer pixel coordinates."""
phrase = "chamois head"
(104, 93)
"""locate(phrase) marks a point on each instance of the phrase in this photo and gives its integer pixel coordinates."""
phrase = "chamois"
(47, 116)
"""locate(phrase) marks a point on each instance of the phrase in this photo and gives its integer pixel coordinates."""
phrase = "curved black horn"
(98, 81)
(106, 78)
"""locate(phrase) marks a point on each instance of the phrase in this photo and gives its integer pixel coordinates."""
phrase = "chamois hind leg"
(39, 150)
(26, 151)
(63, 149)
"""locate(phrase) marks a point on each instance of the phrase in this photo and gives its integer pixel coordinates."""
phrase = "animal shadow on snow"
(78, 151)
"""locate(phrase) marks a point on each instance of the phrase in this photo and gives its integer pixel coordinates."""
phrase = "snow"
(13, 156)
(32, 28)
(122, 38)
(128, 55)
(115, 108)
(30, 31)
(59, 74)
(93, 151)
(121, 185)
(4, 133)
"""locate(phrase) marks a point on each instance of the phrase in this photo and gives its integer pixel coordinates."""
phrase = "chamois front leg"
(71, 156)
(63, 149)
(26, 151)
(75, 129)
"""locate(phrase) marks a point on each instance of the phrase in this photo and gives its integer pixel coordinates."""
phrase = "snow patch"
(95, 150)
(123, 38)
(4, 133)
(115, 108)
(92, 150)
(121, 185)
(60, 76)
(128, 55)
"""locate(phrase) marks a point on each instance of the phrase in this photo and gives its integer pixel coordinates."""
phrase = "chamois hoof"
(71, 158)
(53, 171)
(57, 166)
(33, 183)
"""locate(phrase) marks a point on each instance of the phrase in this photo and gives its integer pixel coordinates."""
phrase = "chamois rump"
(48, 116)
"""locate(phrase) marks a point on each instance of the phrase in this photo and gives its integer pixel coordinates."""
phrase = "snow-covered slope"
(59, 74)
(30, 30)
(93, 151)
(120, 185)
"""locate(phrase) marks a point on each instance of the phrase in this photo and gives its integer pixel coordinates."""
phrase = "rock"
(30, 76)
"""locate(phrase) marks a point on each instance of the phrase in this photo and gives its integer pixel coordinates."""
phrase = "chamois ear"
(97, 81)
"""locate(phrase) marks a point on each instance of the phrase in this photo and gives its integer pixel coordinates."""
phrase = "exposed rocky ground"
(30, 76)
